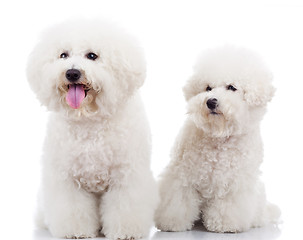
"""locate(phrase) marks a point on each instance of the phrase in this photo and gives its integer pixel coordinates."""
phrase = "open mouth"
(76, 94)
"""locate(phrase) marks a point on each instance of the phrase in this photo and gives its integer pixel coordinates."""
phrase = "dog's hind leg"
(179, 205)
(266, 212)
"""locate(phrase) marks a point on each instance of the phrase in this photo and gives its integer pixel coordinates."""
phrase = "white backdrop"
(172, 34)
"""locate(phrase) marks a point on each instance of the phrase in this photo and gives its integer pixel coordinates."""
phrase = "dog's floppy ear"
(192, 87)
(126, 59)
(35, 65)
(260, 93)
(129, 69)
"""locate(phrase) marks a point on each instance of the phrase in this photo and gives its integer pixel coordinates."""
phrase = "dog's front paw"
(215, 222)
(124, 235)
(80, 236)
(230, 215)
(74, 231)
(75, 235)
(171, 219)
(216, 225)
(125, 229)
(173, 223)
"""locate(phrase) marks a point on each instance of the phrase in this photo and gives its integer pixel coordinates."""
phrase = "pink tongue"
(75, 95)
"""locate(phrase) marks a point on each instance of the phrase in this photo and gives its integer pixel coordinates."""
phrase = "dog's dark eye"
(64, 55)
(208, 89)
(92, 56)
(231, 87)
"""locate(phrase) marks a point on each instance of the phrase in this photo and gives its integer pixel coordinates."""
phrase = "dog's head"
(228, 91)
(85, 67)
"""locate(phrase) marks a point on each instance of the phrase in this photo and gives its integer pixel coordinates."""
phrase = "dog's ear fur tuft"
(259, 94)
(192, 87)
(35, 66)
(129, 68)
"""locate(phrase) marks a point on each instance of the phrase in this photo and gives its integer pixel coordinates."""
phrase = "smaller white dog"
(96, 172)
(214, 168)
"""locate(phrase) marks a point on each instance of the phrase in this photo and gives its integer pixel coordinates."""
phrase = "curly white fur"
(214, 168)
(96, 172)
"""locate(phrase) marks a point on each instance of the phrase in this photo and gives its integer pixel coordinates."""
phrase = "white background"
(172, 34)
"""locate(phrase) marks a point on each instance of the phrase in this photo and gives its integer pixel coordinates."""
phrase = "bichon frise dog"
(214, 168)
(96, 159)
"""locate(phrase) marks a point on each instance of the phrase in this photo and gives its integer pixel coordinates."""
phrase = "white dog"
(214, 168)
(96, 172)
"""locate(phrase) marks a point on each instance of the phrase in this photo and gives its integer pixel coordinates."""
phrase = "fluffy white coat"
(96, 172)
(214, 169)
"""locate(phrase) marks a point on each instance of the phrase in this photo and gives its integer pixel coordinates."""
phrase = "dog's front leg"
(70, 212)
(127, 208)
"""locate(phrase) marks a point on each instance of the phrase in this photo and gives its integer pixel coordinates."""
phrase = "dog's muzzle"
(77, 90)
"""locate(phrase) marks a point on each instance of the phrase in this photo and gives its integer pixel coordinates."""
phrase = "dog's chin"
(215, 124)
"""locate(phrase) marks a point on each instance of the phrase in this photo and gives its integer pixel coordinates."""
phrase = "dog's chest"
(92, 160)
(215, 168)
(91, 170)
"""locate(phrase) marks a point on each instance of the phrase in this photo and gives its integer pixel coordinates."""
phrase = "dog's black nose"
(212, 103)
(73, 75)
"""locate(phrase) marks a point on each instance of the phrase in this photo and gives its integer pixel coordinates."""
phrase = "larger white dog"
(215, 160)
(97, 151)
